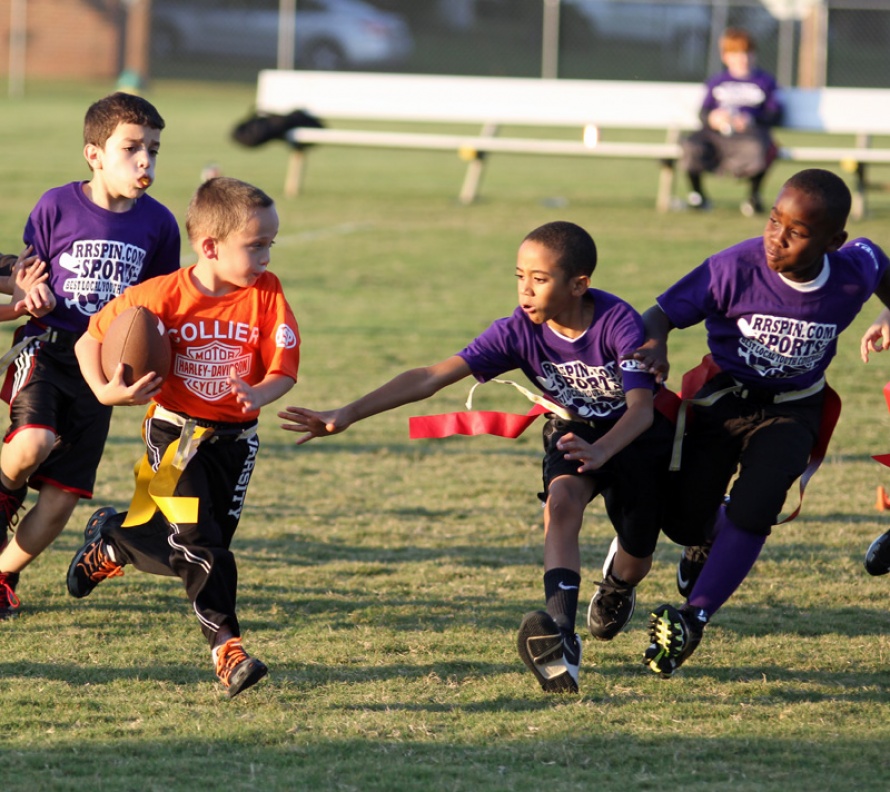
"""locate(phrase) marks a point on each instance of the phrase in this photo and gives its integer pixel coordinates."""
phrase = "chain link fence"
(804, 42)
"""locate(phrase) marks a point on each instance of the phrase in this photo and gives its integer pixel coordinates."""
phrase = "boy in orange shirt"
(235, 348)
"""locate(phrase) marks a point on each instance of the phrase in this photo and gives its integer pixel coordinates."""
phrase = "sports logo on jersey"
(636, 366)
(285, 338)
(776, 346)
(101, 269)
(205, 370)
(588, 391)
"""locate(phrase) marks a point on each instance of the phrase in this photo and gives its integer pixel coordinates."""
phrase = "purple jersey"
(764, 329)
(94, 254)
(754, 95)
(585, 375)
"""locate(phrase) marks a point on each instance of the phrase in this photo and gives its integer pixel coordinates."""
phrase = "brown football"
(137, 339)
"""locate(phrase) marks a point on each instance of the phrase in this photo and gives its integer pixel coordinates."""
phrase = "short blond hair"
(737, 40)
(223, 206)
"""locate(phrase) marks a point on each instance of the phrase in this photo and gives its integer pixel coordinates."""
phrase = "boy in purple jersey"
(572, 342)
(97, 237)
(773, 308)
(740, 106)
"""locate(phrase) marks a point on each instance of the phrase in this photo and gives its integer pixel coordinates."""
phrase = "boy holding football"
(570, 340)
(97, 237)
(235, 348)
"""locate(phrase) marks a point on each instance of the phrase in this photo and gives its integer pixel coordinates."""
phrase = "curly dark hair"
(573, 246)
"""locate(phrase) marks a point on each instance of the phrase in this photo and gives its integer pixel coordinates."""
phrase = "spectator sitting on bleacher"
(739, 107)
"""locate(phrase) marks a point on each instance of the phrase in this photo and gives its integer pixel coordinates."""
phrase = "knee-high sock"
(729, 562)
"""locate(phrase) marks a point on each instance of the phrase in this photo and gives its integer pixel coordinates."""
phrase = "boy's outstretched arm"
(628, 427)
(653, 352)
(409, 386)
(877, 337)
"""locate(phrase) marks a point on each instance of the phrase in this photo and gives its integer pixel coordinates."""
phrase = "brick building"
(84, 39)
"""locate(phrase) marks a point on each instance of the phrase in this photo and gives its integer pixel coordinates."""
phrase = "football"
(137, 339)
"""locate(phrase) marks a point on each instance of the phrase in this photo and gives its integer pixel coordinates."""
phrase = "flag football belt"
(155, 488)
(475, 422)
(511, 425)
(53, 335)
(222, 430)
(695, 379)
(50, 335)
(478, 422)
(742, 391)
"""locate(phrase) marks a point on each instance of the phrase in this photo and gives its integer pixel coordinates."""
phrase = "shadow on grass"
(617, 683)
(397, 608)
(392, 759)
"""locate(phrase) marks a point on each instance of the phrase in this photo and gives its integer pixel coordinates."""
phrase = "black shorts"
(632, 482)
(44, 388)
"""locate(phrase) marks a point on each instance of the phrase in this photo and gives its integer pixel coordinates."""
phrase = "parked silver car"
(330, 34)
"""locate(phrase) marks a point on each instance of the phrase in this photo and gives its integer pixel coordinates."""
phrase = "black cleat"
(554, 657)
(877, 559)
(613, 604)
(674, 636)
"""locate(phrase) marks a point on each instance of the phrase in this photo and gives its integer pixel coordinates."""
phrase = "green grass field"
(381, 579)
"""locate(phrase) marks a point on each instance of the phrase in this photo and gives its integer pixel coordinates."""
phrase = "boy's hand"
(23, 260)
(311, 423)
(877, 337)
(27, 272)
(653, 357)
(591, 457)
(38, 302)
(244, 394)
(117, 393)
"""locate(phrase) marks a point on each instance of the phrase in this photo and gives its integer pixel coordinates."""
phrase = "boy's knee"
(567, 497)
(28, 447)
(752, 523)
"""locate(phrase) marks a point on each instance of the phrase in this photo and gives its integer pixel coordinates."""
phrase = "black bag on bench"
(260, 128)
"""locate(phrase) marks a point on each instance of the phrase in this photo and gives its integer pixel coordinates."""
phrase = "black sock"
(561, 592)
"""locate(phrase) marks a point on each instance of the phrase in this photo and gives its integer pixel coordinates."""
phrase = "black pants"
(198, 553)
(767, 445)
